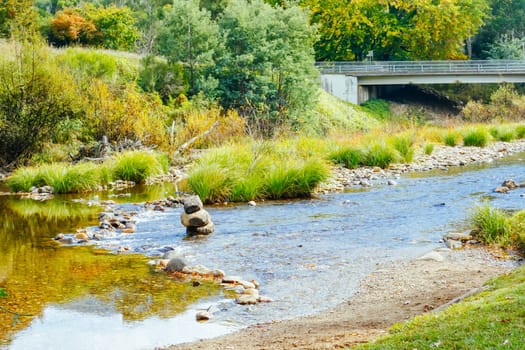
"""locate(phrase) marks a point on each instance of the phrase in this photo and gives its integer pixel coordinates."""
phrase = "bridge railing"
(421, 67)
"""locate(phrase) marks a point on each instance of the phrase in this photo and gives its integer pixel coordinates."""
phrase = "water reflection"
(38, 274)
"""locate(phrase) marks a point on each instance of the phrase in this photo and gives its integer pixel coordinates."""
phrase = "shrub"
(478, 137)
(137, 166)
(32, 102)
(167, 79)
(491, 225)
(378, 108)
(349, 157)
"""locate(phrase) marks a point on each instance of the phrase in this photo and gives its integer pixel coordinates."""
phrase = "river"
(308, 255)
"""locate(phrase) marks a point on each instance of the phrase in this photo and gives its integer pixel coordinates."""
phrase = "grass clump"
(137, 166)
(491, 226)
(404, 145)
(351, 157)
(378, 108)
(520, 131)
(451, 138)
(428, 149)
(505, 134)
(70, 178)
(379, 154)
(478, 137)
(271, 170)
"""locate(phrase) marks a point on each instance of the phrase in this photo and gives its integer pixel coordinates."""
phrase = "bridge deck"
(392, 68)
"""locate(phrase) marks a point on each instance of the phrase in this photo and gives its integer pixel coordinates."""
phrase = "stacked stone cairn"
(196, 220)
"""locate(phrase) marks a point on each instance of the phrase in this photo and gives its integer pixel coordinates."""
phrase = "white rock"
(203, 316)
(432, 256)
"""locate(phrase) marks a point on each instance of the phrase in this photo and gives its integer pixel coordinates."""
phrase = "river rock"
(510, 184)
(59, 237)
(196, 219)
(501, 189)
(175, 265)
(453, 244)
(458, 236)
(192, 204)
(82, 236)
(252, 203)
(246, 284)
(231, 279)
(246, 299)
(264, 299)
(203, 316)
(204, 230)
(67, 240)
(251, 291)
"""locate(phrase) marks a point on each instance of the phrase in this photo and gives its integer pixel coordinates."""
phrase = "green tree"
(32, 101)
(394, 29)
(167, 79)
(189, 36)
(267, 68)
(506, 20)
(508, 48)
(115, 26)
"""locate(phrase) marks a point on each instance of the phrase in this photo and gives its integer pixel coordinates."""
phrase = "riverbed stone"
(197, 270)
(453, 244)
(251, 291)
(203, 316)
(82, 236)
(231, 279)
(192, 204)
(501, 189)
(175, 265)
(246, 299)
(196, 219)
(458, 236)
(510, 184)
(204, 230)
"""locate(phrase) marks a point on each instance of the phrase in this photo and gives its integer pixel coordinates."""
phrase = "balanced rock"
(196, 219)
(192, 204)
(203, 230)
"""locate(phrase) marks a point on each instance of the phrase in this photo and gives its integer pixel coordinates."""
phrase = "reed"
(404, 145)
(137, 166)
(491, 225)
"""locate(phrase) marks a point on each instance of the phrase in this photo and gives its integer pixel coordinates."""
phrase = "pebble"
(203, 316)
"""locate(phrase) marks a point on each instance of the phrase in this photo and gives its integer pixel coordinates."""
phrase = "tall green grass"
(351, 157)
(379, 154)
(478, 137)
(503, 133)
(404, 145)
(520, 131)
(491, 225)
(258, 171)
(451, 138)
(68, 178)
(137, 166)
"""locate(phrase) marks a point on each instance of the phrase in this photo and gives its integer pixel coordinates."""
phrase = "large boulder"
(175, 265)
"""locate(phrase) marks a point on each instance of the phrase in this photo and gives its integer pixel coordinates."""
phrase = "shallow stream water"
(308, 255)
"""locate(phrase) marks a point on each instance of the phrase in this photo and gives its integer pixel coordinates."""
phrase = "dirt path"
(392, 294)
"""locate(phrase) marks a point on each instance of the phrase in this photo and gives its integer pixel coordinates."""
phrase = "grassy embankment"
(493, 319)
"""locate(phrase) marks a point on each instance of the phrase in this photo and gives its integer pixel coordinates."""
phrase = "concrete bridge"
(357, 82)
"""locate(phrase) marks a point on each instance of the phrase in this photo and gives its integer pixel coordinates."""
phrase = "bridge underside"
(359, 89)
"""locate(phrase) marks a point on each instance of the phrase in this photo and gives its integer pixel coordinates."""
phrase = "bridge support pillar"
(342, 86)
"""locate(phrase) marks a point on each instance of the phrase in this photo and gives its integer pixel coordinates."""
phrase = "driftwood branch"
(191, 141)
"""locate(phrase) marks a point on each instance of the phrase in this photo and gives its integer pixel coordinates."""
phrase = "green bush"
(491, 226)
(378, 108)
(349, 157)
(167, 79)
(285, 181)
(478, 137)
(137, 166)
(210, 182)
